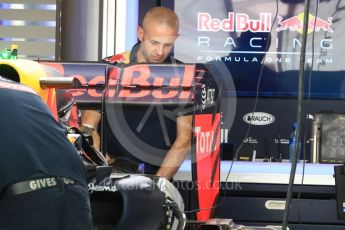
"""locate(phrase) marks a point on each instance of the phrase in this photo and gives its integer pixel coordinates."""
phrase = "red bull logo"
(292, 24)
(295, 23)
(238, 22)
(317, 24)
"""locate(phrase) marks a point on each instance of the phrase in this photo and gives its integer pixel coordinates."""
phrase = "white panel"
(126, 25)
(108, 42)
(132, 11)
(120, 45)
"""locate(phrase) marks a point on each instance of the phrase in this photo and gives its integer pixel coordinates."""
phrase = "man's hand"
(92, 119)
(179, 149)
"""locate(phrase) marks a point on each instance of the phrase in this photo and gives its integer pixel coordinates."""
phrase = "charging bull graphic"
(295, 23)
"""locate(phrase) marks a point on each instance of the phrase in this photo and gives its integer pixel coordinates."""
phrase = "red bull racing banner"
(253, 37)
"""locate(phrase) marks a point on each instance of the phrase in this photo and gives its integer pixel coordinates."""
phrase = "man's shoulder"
(118, 58)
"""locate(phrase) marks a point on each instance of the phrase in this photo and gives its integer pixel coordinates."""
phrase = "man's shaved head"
(161, 15)
(157, 35)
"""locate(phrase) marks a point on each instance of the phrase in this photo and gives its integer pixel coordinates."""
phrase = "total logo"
(259, 118)
(295, 23)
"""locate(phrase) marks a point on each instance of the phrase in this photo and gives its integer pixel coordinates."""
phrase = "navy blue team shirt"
(31, 140)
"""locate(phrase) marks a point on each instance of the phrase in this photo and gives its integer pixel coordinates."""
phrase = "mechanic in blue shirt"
(42, 178)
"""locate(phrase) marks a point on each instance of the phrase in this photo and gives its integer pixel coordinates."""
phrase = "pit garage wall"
(78, 27)
(89, 30)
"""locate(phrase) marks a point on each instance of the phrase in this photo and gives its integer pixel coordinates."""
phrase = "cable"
(308, 99)
(307, 109)
(103, 114)
(299, 112)
(257, 94)
(254, 109)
